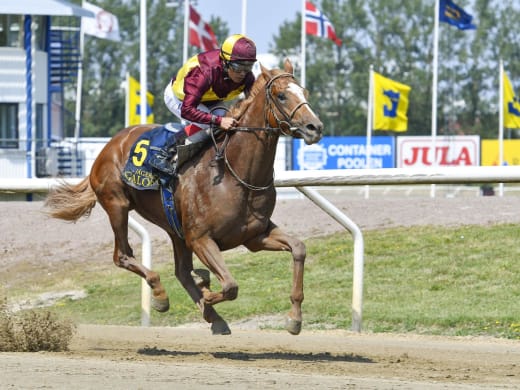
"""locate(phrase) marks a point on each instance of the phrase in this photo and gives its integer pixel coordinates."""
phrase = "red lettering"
(464, 157)
(416, 151)
(444, 151)
(420, 155)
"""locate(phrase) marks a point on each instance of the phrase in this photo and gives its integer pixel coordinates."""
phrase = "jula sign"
(445, 151)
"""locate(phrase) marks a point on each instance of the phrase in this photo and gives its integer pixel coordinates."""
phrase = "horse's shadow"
(246, 356)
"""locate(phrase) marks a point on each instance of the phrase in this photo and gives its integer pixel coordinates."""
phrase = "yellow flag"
(390, 104)
(134, 103)
(511, 106)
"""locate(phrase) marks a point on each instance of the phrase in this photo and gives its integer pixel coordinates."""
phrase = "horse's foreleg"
(276, 240)
(124, 257)
(197, 292)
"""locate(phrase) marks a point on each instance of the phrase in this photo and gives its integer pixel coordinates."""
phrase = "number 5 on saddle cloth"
(158, 154)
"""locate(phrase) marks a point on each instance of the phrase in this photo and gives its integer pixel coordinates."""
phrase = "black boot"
(163, 159)
(160, 159)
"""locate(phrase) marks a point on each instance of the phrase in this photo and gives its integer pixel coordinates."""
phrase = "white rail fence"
(302, 180)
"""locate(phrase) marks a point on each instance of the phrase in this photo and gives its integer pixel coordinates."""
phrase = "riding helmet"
(238, 47)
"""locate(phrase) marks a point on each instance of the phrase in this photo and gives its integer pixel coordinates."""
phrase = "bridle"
(287, 118)
(272, 105)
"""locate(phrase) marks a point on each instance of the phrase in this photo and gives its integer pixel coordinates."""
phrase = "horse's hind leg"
(183, 272)
(124, 257)
(277, 240)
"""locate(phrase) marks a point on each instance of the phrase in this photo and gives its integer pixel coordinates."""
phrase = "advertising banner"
(343, 153)
(490, 152)
(417, 152)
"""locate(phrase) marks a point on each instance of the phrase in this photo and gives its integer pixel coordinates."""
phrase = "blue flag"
(452, 14)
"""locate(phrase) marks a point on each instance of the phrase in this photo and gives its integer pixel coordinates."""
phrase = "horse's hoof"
(201, 277)
(293, 327)
(161, 305)
(220, 327)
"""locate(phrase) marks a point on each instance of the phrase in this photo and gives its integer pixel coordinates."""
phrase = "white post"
(370, 123)
(186, 31)
(77, 116)
(146, 260)
(304, 46)
(127, 99)
(434, 87)
(346, 222)
(33, 98)
(143, 62)
(501, 123)
(244, 16)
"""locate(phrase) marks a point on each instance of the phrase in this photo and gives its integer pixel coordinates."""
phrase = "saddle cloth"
(137, 172)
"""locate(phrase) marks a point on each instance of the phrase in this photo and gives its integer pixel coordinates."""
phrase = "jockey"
(202, 83)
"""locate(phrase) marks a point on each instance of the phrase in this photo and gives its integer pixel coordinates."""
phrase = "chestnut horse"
(221, 203)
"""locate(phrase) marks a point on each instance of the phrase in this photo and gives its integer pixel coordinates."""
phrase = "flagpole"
(303, 45)
(370, 116)
(186, 31)
(370, 123)
(434, 88)
(79, 88)
(244, 16)
(143, 61)
(501, 123)
(127, 99)
(77, 116)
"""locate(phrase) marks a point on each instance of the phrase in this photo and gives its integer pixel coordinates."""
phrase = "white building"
(36, 60)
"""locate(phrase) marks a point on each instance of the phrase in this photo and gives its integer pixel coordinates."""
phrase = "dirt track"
(190, 358)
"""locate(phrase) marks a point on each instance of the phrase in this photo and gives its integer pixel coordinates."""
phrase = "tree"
(396, 37)
(393, 36)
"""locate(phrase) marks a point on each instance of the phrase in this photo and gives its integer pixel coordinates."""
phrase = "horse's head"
(287, 105)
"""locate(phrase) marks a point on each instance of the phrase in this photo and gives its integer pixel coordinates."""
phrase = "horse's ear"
(288, 67)
(263, 68)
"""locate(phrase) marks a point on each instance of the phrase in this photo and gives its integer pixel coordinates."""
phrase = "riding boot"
(160, 159)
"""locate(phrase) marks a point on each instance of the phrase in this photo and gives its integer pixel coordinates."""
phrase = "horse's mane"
(239, 109)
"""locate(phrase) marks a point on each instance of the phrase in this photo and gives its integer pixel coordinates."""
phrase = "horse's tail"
(71, 202)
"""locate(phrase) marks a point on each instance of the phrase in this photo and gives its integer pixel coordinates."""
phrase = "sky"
(264, 17)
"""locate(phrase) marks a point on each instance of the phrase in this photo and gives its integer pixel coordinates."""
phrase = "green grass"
(429, 280)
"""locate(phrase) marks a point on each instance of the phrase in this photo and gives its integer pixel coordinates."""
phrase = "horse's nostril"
(317, 127)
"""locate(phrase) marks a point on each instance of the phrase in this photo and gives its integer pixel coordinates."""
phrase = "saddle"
(140, 172)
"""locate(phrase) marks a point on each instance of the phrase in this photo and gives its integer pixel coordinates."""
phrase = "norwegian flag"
(318, 24)
(201, 34)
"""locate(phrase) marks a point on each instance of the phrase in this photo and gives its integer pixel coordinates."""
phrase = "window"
(9, 125)
(12, 30)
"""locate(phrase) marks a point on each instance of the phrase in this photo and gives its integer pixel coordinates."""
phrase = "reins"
(220, 153)
(268, 109)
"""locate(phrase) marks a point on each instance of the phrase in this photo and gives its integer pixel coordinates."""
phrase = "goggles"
(241, 67)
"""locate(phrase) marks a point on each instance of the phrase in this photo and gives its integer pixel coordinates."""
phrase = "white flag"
(105, 25)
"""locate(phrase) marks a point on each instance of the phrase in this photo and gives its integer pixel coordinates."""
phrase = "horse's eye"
(282, 97)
